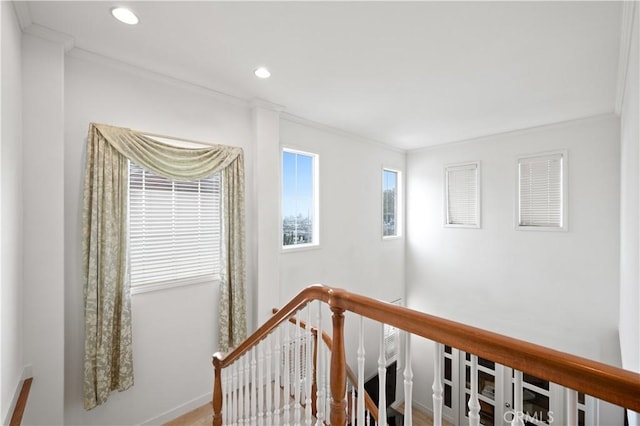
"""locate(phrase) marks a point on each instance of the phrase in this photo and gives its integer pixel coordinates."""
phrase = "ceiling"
(407, 74)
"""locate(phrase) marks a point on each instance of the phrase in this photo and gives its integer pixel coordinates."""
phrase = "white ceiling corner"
(58, 37)
(626, 32)
(23, 14)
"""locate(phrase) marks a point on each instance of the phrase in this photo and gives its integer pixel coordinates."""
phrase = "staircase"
(291, 372)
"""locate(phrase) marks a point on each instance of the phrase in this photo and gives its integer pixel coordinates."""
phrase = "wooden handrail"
(612, 384)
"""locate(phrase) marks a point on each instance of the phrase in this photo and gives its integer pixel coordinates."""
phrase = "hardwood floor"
(199, 417)
(204, 416)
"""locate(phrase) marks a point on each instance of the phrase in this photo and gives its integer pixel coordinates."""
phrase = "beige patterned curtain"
(108, 356)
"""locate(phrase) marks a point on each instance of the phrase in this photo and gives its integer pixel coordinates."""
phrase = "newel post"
(217, 391)
(338, 371)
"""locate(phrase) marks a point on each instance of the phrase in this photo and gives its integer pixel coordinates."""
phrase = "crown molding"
(338, 132)
(626, 32)
(23, 13)
(515, 132)
(89, 56)
(54, 36)
(264, 104)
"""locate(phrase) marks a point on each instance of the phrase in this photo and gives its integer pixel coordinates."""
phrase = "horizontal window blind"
(462, 195)
(174, 227)
(540, 191)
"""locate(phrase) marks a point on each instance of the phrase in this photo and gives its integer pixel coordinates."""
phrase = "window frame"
(564, 195)
(399, 203)
(209, 279)
(462, 166)
(316, 201)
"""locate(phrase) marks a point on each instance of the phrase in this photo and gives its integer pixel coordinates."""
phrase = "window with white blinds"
(462, 193)
(174, 228)
(541, 191)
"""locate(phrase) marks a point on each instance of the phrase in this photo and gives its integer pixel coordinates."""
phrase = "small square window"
(542, 192)
(462, 193)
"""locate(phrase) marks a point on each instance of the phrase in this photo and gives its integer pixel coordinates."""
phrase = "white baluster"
(474, 403)
(252, 387)
(517, 399)
(352, 404)
(382, 379)
(437, 384)
(572, 407)
(225, 395)
(269, 383)
(361, 355)
(319, 371)
(278, 379)
(247, 401)
(309, 370)
(234, 395)
(261, 382)
(296, 371)
(286, 374)
(408, 383)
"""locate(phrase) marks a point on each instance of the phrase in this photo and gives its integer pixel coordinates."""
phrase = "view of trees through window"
(298, 198)
(389, 203)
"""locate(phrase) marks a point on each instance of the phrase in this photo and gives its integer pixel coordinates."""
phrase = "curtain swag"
(108, 364)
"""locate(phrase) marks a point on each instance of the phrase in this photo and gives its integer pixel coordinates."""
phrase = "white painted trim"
(165, 285)
(514, 132)
(23, 13)
(264, 104)
(67, 41)
(626, 31)
(339, 132)
(179, 410)
(155, 76)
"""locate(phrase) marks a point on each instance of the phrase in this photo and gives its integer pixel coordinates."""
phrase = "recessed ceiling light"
(123, 14)
(262, 72)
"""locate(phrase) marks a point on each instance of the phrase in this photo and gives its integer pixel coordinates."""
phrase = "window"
(542, 192)
(390, 203)
(174, 229)
(462, 193)
(299, 199)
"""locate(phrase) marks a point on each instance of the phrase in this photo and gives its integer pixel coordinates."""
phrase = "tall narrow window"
(299, 199)
(462, 193)
(390, 200)
(174, 229)
(542, 192)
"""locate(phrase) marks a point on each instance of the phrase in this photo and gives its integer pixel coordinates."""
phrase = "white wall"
(43, 195)
(352, 254)
(174, 331)
(10, 210)
(559, 289)
(630, 212)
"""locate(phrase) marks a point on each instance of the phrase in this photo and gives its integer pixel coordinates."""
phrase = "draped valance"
(108, 362)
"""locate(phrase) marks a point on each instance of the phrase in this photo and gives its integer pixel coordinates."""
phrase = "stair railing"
(370, 407)
(577, 374)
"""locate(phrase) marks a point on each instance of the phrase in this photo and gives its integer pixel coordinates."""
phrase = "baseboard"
(27, 372)
(179, 410)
